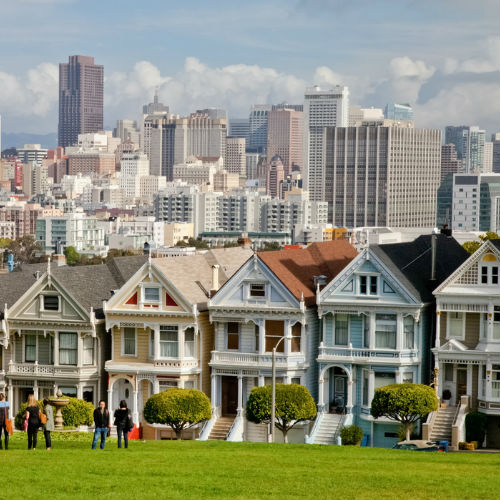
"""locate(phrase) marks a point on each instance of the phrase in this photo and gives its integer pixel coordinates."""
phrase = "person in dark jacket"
(3, 422)
(33, 418)
(123, 423)
(101, 421)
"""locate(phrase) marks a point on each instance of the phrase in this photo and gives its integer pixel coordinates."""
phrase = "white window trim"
(42, 303)
(226, 327)
(364, 372)
(93, 351)
(368, 291)
(123, 342)
(489, 266)
(143, 293)
(448, 336)
(178, 343)
(251, 297)
(348, 331)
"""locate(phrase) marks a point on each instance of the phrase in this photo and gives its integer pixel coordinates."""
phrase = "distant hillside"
(19, 139)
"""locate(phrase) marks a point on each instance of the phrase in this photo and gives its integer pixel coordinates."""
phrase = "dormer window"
(257, 290)
(489, 270)
(368, 285)
(50, 303)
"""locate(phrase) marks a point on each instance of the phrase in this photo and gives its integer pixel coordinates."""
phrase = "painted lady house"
(53, 328)
(467, 348)
(269, 302)
(159, 327)
(377, 318)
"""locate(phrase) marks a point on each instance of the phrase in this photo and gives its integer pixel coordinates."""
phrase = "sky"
(441, 56)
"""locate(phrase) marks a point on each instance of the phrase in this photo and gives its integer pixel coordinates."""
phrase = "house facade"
(467, 347)
(159, 327)
(269, 302)
(377, 319)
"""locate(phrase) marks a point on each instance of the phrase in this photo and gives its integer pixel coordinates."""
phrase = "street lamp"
(273, 397)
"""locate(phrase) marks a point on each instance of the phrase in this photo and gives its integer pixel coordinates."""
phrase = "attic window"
(257, 290)
(51, 303)
(151, 294)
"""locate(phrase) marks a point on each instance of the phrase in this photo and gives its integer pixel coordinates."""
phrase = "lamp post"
(273, 397)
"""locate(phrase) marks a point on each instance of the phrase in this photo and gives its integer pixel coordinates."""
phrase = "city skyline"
(443, 59)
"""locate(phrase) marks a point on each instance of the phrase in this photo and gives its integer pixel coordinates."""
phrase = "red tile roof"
(296, 268)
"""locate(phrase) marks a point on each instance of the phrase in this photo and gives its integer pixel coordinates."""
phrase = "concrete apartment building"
(285, 137)
(382, 175)
(81, 90)
(25, 215)
(88, 162)
(32, 153)
(322, 108)
(236, 161)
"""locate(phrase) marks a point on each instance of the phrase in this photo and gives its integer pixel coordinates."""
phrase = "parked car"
(416, 445)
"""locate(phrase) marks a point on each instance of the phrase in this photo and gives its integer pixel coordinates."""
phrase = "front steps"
(443, 422)
(221, 429)
(328, 429)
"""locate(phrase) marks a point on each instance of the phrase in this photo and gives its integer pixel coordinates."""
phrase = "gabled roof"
(192, 275)
(411, 262)
(88, 285)
(296, 268)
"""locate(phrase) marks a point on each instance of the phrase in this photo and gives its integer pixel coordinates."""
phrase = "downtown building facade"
(382, 175)
(469, 144)
(81, 90)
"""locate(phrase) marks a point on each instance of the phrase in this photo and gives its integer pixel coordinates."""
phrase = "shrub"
(178, 408)
(77, 412)
(475, 427)
(404, 403)
(351, 434)
(294, 404)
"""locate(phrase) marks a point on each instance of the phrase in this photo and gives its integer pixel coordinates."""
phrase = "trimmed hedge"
(351, 435)
(475, 427)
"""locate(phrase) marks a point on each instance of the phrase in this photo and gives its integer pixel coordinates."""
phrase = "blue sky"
(440, 55)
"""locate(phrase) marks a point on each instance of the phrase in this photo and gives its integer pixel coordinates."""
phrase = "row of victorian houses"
(343, 323)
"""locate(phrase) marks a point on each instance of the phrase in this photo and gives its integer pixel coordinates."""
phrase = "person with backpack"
(48, 425)
(33, 420)
(123, 422)
(102, 426)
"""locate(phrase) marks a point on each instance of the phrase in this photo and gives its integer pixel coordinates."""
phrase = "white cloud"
(404, 67)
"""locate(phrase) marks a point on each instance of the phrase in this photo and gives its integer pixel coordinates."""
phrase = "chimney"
(244, 241)
(433, 256)
(215, 279)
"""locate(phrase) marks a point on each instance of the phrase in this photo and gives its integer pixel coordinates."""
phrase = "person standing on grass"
(123, 423)
(101, 422)
(49, 425)
(3, 422)
(33, 418)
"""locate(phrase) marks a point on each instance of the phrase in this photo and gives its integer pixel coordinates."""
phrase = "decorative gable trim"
(453, 345)
(486, 247)
(132, 300)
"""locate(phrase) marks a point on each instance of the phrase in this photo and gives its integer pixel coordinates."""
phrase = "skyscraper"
(450, 164)
(382, 175)
(81, 88)
(154, 107)
(495, 139)
(322, 108)
(257, 134)
(285, 137)
(469, 143)
(398, 112)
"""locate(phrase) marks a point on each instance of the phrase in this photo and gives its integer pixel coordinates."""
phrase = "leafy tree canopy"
(294, 404)
(404, 403)
(178, 408)
(472, 246)
(72, 256)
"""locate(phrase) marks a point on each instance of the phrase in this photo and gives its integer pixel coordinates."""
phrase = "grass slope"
(221, 470)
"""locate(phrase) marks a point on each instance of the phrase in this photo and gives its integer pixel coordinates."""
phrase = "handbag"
(8, 426)
(26, 425)
(43, 417)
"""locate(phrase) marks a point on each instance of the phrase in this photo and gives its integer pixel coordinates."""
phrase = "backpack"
(43, 418)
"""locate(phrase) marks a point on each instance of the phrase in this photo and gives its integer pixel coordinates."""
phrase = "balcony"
(223, 359)
(34, 369)
(364, 355)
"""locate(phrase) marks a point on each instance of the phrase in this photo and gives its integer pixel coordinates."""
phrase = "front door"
(229, 395)
(461, 383)
(339, 391)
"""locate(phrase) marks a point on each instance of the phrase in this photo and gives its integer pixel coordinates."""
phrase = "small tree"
(72, 256)
(294, 404)
(475, 427)
(404, 403)
(178, 408)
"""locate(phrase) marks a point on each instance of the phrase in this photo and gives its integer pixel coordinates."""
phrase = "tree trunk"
(285, 435)
(178, 434)
(408, 431)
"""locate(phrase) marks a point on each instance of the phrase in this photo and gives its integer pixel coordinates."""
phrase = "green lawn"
(221, 470)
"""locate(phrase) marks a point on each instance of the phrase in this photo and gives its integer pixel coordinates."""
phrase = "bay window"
(189, 345)
(129, 341)
(88, 350)
(409, 332)
(68, 348)
(169, 341)
(275, 331)
(341, 329)
(385, 331)
(296, 334)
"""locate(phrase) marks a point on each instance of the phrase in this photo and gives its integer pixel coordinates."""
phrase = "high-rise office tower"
(495, 139)
(469, 143)
(154, 107)
(257, 133)
(127, 131)
(358, 114)
(236, 162)
(488, 157)
(81, 88)
(239, 127)
(285, 137)
(215, 113)
(382, 175)
(398, 112)
(322, 108)
(450, 164)
(275, 176)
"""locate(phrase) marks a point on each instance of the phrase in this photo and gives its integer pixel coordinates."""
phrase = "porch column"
(213, 393)
(156, 353)
(110, 399)
(399, 331)
(438, 329)
(79, 391)
(135, 410)
(349, 395)
(489, 328)
(371, 386)
(11, 400)
(240, 395)
(56, 348)
(487, 391)
(262, 336)
(156, 386)
(469, 380)
(373, 325)
(261, 381)
(35, 389)
(79, 357)
(321, 396)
